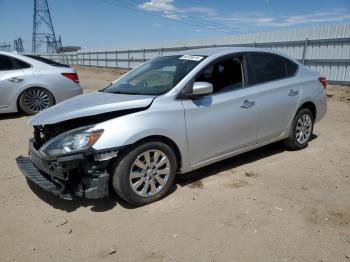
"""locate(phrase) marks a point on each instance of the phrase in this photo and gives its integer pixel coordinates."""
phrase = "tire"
(34, 100)
(131, 169)
(301, 131)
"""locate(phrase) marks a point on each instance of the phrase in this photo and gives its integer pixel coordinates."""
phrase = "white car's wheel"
(34, 100)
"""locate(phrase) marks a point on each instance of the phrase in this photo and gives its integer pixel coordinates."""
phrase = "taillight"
(72, 76)
(323, 81)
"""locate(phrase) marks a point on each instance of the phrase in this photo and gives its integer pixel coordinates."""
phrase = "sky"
(99, 24)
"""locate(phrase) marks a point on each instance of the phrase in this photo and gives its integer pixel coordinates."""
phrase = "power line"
(199, 20)
(191, 22)
(202, 22)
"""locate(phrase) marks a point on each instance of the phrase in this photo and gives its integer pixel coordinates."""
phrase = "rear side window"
(10, 63)
(265, 67)
(6, 63)
(47, 61)
(19, 64)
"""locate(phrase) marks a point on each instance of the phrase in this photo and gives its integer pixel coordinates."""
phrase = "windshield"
(155, 77)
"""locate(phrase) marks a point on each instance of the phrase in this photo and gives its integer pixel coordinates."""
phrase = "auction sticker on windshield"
(192, 57)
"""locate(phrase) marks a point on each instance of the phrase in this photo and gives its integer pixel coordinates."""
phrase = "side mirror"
(202, 88)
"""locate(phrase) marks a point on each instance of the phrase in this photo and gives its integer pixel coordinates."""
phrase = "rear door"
(278, 92)
(12, 78)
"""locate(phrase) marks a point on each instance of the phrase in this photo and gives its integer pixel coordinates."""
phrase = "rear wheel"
(145, 174)
(302, 128)
(34, 100)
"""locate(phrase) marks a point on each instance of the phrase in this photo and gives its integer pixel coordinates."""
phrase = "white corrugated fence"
(325, 49)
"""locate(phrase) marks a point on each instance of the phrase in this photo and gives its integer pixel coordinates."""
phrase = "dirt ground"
(266, 205)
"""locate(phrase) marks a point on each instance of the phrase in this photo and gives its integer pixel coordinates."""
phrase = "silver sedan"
(31, 84)
(173, 114)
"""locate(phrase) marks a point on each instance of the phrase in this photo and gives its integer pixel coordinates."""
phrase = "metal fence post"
(89, 59)
(97, 59)
(128, 59)
(106, 58)
(116, 59)
(144, 55)
(304, 51)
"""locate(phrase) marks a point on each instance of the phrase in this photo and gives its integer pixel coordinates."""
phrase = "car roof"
(217, 51)
(24, 58)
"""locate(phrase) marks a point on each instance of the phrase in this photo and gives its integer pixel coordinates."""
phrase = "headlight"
(71, 141)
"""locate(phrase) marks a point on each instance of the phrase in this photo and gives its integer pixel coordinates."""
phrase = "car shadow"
(99, 205)
(233, 162)
(108, 203)
(8, 116)
(230, 163)
(95, 205)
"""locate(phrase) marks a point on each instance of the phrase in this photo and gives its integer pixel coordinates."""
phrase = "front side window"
(265, 67)
(155, 77)
(225, 75)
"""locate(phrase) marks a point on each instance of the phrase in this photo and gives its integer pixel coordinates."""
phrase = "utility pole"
(43, 31)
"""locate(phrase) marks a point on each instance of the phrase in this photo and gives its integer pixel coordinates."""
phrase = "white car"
(31, 83)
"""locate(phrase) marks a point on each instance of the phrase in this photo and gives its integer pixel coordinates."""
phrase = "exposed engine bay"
(84, 174)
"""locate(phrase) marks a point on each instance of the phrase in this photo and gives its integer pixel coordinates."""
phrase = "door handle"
(16, 79)
(293, 92)
(247, 104)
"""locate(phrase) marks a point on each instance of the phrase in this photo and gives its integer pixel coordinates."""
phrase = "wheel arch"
(311, 106)
(167, 141)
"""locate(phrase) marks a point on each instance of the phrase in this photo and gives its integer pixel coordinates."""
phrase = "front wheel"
(145, 174)
(301, 131)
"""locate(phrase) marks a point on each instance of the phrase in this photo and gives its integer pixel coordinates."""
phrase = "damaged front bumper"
(83, 175)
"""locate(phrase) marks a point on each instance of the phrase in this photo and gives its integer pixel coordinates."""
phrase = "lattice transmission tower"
(43, 31)
(18, 45)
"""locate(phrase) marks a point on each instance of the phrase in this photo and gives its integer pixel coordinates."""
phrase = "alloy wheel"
(303, 129)
(149, 173)
(36, 100)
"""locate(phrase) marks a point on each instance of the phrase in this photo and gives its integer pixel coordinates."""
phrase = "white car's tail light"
(72, 76)
(323, 81)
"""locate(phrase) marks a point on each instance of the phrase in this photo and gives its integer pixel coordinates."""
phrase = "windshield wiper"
(122, 93)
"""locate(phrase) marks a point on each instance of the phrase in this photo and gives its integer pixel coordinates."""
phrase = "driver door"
(226, 120)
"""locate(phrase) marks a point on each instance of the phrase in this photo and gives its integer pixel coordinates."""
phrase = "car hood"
(89, 105)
